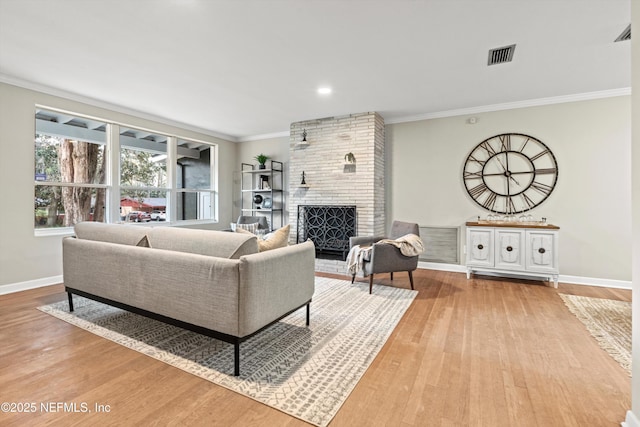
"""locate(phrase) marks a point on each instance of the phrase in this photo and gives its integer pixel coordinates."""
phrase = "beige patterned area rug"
(305, 372)
(608, 321)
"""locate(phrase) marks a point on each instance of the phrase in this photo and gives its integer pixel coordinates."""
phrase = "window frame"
(112, 184)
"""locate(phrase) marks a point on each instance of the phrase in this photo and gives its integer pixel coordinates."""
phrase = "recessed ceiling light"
(324, 90)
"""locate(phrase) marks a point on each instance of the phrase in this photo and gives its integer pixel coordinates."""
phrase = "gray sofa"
(212, 282)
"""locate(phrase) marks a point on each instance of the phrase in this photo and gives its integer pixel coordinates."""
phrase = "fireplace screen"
(328, 227)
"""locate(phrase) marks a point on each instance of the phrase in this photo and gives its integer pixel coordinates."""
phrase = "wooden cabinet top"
(512, 224)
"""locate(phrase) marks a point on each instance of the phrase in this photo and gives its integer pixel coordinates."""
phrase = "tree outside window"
(72, 183)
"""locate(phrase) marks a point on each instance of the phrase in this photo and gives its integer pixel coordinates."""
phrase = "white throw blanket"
(356, 257)
(409, 245)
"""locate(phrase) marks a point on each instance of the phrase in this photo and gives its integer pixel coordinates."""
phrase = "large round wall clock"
(510, 173)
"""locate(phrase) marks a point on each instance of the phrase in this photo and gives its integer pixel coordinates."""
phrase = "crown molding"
(264, 136)
(513, 105)
(586, 96)
(404, 119)
(14, 81)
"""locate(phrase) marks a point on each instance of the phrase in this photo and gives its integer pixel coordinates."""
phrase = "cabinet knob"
(480, 247)
(541, 250)
(509, 248)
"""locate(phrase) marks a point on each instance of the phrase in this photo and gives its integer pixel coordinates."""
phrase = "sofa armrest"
(273, 283)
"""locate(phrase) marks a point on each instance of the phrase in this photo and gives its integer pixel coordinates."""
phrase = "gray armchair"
(385, 258)
(263, 224)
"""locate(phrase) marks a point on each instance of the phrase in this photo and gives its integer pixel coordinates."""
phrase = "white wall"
(26, 260)
(591, 202)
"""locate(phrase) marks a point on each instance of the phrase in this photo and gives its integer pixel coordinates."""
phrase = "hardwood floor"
(479, 352)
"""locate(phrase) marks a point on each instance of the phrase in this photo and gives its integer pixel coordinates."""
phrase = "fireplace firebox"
(329, 228)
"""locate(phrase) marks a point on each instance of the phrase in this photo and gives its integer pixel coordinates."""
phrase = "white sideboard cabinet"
(527, 249)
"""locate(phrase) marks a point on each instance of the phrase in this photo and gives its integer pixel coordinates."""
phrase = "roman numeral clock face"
(510, 173)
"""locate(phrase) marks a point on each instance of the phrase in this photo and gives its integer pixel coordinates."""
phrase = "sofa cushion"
(203, 242)
(277, 239)
(112, 233)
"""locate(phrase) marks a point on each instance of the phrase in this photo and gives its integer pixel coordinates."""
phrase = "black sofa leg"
(70, 301)
(370, 283)
(308, 314)
(353, 278)
(411, 279)
(236, 358)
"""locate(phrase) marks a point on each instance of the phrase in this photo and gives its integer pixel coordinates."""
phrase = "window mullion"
(113, 175)
(172, 183)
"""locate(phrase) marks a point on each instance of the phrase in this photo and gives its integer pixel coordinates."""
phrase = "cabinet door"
(480, 247)
(542, 251)
(510, 249)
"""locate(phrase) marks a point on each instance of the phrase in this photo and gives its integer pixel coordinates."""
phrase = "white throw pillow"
(252, 228)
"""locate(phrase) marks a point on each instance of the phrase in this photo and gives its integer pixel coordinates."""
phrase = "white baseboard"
(630, 421)
(31, 284)
(456, 268)
(590, 281)
(574, 280)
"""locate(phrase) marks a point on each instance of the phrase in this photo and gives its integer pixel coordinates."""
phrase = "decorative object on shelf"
(304, 143)
(510, 173)
(257, 199)
(350, 158)
(268, 203)
(264, 183)
(303, 183)
(262, 159)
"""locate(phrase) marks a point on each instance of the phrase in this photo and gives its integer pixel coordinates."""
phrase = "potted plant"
(262, 159)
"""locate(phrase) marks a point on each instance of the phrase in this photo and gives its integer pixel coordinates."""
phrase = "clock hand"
(507, 170)
(496, 174)
(506, 158)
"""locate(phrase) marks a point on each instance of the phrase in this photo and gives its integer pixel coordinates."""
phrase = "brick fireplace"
(333, 181)
(329, 227)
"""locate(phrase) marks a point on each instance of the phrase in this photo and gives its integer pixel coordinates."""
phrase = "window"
(143, 174)
(195, 196)
(83, 166)
(70, 168)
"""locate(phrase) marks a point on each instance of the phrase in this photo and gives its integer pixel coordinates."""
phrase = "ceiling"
(248, 68)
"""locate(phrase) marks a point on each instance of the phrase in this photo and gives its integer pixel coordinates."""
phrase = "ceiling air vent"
(501, 55)
(625, 35)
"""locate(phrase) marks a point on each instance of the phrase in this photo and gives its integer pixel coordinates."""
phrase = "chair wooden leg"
(370, 283)
(411, 278)
(392, 276)
(353, 278)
